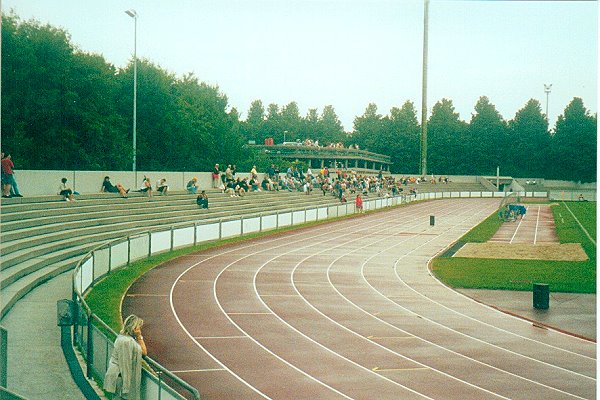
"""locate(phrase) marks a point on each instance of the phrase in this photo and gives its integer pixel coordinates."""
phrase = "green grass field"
(562, 276)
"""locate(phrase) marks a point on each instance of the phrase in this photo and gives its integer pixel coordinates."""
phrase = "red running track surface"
(349, 310)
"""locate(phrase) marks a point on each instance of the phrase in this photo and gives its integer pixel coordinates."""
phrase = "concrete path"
(570, 312)
(37, 368)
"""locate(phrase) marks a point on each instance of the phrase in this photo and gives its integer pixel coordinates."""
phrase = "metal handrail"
(3, 356)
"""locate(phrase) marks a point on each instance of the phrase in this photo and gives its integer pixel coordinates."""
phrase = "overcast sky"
(349, 53)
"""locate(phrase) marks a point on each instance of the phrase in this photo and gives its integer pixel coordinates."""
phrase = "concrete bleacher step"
(62, 208)
(45, 237)
(73, 220)
(13, 293)
(32, 237)
(10, 275)
(43, 202)
(57, 208)
(31, 227)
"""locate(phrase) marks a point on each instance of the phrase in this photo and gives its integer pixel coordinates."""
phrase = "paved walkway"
(37, 368)
(570, 312)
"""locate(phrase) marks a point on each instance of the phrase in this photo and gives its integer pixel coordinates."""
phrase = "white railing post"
(195, 234)
(172, 238)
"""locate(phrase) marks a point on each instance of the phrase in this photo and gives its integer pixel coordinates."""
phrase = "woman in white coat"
(124, 375)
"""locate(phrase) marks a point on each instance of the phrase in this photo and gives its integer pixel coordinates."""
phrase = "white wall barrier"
(231, 228)
(183, 237)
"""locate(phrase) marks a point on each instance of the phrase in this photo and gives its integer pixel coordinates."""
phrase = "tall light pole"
(547, 89)
(133, 14)
(424, 92)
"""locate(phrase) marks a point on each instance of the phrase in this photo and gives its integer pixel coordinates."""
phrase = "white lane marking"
(237, 249)
(353, 233)
(493, 326)
(252, 245)
(270, 250)
(220, 337)
(534, 382)
(176, 316)
(184, 371)
(434, 322)
(366, 338)
(537, 224)
(580, 225)
(518, 226)
(443, 326)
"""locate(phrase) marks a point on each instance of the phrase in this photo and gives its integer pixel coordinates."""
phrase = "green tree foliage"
(329, 127)
(58, 99)
(447, 137)
(401, 136)
(79, 109)
(487, 139)
(291, 122)
(310, 125)
(528, 142)
(252, 127)
(574, 144)
(368, 128)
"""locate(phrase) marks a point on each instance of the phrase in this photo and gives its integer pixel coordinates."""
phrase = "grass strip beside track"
(562, 276)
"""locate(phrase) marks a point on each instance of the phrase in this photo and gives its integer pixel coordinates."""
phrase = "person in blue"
(202, 200)
(192, 186)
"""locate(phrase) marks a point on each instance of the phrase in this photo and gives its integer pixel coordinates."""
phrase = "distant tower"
(547, 89)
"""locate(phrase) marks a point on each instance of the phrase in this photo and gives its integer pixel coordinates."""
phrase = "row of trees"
(66, 109)
(523, 146)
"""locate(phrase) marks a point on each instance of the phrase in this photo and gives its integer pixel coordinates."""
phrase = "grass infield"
(562, 276)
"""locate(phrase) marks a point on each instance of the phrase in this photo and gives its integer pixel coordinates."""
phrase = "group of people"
(146, 187)
(339, 183)
(9, 184)
(422, 179)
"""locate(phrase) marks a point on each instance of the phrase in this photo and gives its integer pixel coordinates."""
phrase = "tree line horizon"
(63, 108)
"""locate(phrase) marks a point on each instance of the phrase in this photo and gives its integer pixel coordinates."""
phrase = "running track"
(348, 310)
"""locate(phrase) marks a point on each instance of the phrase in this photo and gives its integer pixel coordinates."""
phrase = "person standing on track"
(124, 375)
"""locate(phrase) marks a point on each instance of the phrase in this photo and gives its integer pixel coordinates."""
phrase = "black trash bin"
(432, 220)
(541, 296)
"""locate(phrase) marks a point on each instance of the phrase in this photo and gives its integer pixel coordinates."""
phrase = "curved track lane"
(349, 310)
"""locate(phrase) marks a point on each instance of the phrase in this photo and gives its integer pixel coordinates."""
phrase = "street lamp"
(547, 89)
(133, 14)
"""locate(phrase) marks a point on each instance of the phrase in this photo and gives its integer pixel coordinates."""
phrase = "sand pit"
(524, 251)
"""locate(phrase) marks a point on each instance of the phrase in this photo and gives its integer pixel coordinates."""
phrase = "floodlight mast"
(547, 89)
(133, 14)
(424, 92)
